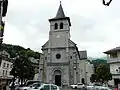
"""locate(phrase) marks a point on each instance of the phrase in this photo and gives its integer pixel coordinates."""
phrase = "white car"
(80, 85)
(98, 88)
(74, 86)
(37, 86)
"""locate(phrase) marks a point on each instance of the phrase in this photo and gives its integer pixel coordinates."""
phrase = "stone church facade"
(60, 59)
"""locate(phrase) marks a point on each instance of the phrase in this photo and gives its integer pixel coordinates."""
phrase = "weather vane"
(108, 3)
(60, 2)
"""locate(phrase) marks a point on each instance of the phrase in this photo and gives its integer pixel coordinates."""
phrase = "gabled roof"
(45, 45)
(112, 50)
(71, 43)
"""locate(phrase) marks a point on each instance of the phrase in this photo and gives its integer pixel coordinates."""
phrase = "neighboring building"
(5, 68)
(85, 67)
(113, 59)
(60, 61)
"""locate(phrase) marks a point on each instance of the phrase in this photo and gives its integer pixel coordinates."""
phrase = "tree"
(22, 68)
(97, 62)
(93, 78)
(103, 73)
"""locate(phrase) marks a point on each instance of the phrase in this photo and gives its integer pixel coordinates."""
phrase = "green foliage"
(13, 49)
(22, 68)
(93, 78)
(97, 62)
(102, 73)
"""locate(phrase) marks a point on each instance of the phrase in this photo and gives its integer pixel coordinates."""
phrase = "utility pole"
(3, 11)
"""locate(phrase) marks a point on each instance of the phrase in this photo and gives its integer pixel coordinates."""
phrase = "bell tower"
(59, 29)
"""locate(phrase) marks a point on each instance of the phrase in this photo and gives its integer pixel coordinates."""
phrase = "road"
(67, 89)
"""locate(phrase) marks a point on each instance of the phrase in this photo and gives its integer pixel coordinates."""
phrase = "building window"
(58, 56)
(114, 55)
(7, 65)
(3, 72)
(61, 25)
(4, 64)
(6, 72)
(45, 58)
(56, 26)
(10, 66)
(70, 57)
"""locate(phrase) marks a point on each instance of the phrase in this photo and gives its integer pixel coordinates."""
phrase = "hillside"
(13, 49)
(99, 61)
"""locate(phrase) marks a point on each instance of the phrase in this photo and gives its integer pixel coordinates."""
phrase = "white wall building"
(113, 59)
(5, 68)
(5, 65)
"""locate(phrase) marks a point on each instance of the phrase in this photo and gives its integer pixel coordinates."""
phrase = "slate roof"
(60, 15)
(60, 12)
(112, 50)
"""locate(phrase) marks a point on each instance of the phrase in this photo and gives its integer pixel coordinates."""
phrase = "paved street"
(67, 89)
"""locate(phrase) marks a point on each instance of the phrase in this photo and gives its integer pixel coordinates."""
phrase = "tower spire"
(60, 12)
(60, 15)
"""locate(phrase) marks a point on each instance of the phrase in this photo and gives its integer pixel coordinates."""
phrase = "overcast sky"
(95, 27)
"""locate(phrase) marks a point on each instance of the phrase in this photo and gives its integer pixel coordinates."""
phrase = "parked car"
(43, 87)
(97, 88)
(80, 85)
(35, 85)
(74, 86)
(27, 85)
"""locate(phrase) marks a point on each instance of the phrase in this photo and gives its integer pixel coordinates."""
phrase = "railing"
(113, 60)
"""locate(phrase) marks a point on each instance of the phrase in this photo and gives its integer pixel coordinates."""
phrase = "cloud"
(95, 27)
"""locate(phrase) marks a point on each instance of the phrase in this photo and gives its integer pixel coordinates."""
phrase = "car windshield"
(36, 85)
(31, 82)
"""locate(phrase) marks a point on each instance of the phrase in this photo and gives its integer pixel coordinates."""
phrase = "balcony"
(113, 60)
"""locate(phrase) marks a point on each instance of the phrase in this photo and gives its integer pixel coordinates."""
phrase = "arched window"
(56, 26)
(61, 25)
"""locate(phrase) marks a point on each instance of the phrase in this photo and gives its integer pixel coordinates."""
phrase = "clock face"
(58, 36)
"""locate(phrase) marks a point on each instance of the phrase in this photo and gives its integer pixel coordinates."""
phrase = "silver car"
(43, 87)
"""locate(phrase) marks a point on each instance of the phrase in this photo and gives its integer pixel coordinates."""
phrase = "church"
(59, 63)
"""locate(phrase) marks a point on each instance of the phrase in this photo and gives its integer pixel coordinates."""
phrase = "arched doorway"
(57, 77)
(83, 81)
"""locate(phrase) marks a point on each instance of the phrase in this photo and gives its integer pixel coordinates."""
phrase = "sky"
(95, 27)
